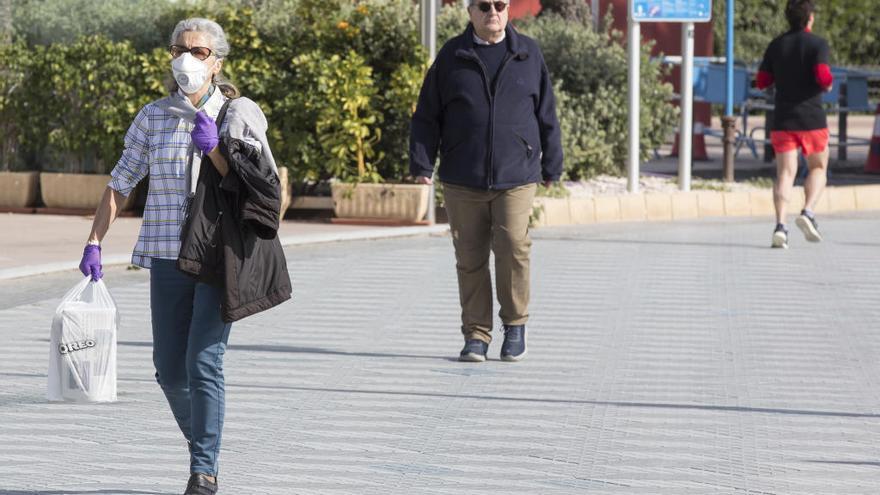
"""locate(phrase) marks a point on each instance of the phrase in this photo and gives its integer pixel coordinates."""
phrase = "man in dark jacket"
(487, 107)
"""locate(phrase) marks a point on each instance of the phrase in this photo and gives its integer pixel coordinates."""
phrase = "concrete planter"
(402, 202)
(76, 191)
(18, 189)
(657, 206)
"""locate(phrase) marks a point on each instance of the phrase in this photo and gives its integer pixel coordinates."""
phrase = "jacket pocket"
(446, 151)
(517, 157)
(528, 147)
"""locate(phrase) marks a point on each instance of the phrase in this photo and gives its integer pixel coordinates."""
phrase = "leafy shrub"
(346, 122)
(451, 21)
(44, 22)
(12, 56)
(572, 10)
(849, 26)
(338, 81)
(73, 102)
(590, 74)
(383, 33)
(756, 23)
(399, 102)
(97, 92)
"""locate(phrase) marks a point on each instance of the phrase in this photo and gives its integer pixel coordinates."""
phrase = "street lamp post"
(428, 26)
(633, 51)
(428, 34)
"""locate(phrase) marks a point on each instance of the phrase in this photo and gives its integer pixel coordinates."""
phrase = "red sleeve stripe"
(823, 75)
(764, 79)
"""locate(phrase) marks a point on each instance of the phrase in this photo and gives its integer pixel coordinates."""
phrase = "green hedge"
(67, 106)
(338, 81)
(850, 26)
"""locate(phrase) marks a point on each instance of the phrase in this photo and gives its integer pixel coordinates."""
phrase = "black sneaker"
(809, 227)
(780, 237)
(514, 347)
(200, 485)
(474, 351)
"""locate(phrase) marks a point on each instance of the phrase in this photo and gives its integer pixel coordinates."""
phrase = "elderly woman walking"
(208, 234)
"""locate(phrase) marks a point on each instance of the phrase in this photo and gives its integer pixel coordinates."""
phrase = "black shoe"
(809, 227)
(474, 351)
(514, 347)
(200, 485)
(780, 237)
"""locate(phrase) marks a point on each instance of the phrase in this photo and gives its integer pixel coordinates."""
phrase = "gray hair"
(220, 47)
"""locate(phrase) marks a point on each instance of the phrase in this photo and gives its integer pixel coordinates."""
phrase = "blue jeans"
(189, 340)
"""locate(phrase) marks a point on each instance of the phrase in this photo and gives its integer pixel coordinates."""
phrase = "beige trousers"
(481, 221)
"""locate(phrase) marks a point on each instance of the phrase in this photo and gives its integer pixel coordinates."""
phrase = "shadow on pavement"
(697, 407)
(647, 405)
(848, 463)
(70, 492)
(861, 244)
(660, 243)
(305, 350)
(25, 375)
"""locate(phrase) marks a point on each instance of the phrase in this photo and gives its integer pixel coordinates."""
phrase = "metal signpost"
(428, 34)
(428, 26)
(728, 122)
(686, 12)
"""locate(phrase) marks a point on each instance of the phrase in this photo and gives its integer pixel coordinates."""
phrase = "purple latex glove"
(204, 134)
(91, 262)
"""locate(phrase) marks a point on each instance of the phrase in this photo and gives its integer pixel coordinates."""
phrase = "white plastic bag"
(82, 349)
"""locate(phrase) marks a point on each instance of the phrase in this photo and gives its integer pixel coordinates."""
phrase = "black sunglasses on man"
(486, 6)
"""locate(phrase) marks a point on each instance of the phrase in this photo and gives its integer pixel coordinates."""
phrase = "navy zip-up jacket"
(487, 139)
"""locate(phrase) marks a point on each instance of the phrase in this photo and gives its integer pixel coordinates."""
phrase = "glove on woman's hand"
(91, 262)
(204, 134)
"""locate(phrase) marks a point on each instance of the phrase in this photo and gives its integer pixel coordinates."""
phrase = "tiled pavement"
(675, 359)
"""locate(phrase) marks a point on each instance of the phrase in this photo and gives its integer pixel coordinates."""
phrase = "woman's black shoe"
(200, 485)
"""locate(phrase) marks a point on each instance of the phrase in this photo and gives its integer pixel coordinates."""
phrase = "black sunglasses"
(486, 6)
(199, 52)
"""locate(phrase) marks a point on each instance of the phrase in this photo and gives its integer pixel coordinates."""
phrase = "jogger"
(797, 64)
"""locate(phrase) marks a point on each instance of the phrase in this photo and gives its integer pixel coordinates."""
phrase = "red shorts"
(809, 142)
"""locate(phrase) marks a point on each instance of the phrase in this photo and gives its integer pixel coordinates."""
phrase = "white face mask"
(190, 73)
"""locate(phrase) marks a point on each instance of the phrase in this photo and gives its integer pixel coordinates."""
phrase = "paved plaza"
(665, 358)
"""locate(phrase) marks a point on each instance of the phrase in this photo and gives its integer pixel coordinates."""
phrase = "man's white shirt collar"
(481, 41)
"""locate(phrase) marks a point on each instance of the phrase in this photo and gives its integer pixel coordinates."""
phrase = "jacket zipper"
(490, 95)
(214, 230)
(495, 85)
(485, 74)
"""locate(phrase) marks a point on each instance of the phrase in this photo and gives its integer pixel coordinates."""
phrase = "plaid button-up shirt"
(157, 144)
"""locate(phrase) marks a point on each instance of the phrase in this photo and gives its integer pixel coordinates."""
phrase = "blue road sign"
(671, 10)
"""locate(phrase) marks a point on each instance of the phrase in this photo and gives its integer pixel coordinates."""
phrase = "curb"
(664, 207)
(292, 240)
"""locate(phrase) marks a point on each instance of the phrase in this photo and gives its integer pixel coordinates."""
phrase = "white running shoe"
(780, 237)
(809, 227)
